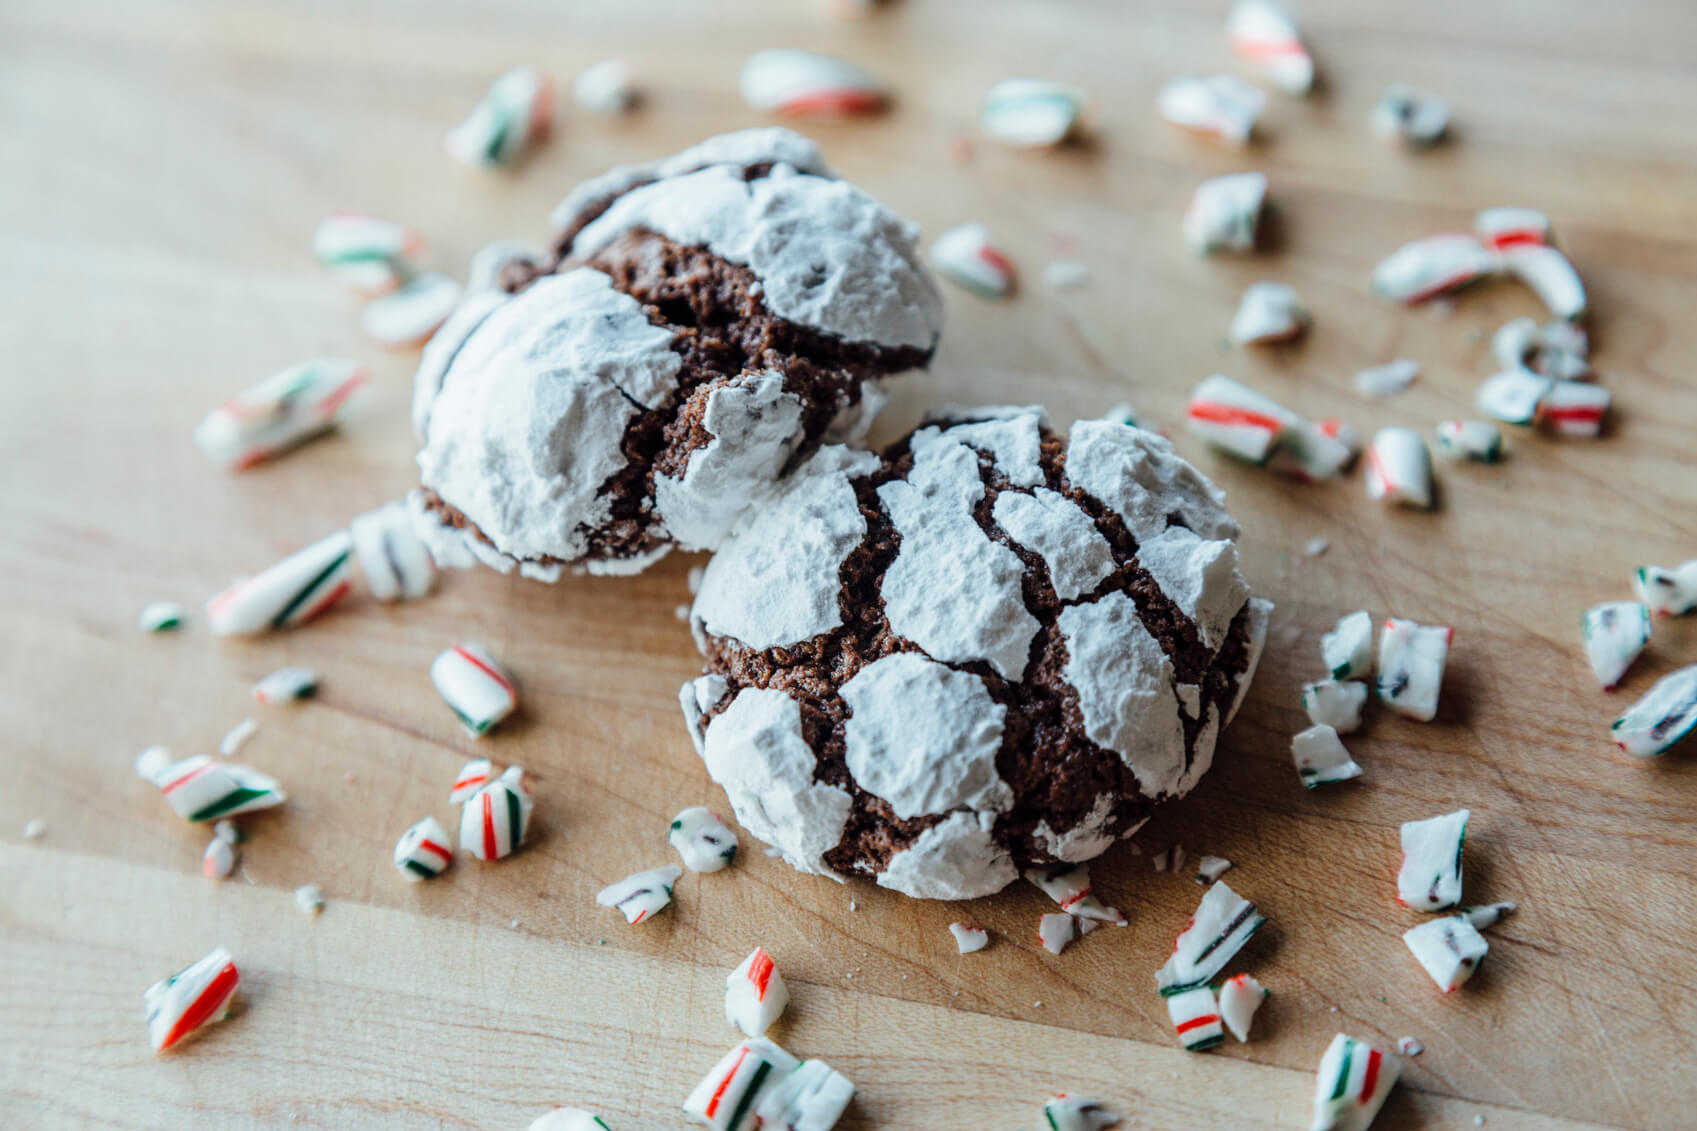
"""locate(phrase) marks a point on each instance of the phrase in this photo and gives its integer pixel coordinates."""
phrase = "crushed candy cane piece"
(1222, 107)
(150, 763)
(218, 860)
(726, 1097)
(287, 594)
(1411, 666)
(1573, 408)
(1264, 35)
(1240, 997)
(35, 828)
(1399, 468)
(1512, 396)
(1477, 440)
(309, 898)
(494, 820)
(516, 114)
(805, 84)
(1223, 922)
(1354, 1080)
(568, 1119)
(1409, 1046)
(969, 939)
(1615, 633)
(228, 831)
(1426, 268)
(1666, 714)
(391, 555)
(1065, 275)
(755, 994)
(491, 263)
(1413, 117)
(1267, 314)
(1347, 650)
(1430, 876)
(607, 87)
(1450, 949)
(476, 688)
(1071, 889)
(1031, 113)
(1498, 228)
(201, 789)
(1559, 350)
(1211, 868)
(1078, 1113)
(286, 685)
(1225, 213)
(1487, 914)
(1236, 419)
(1196, 1017)
(1321, 757)
(642, 894)
(473, 776)
(236, 736)
(279, 413)
(424, 851)
(1549, 275)
(1314, 547)
(160, 616)
(1387, 380)
(192, 997)
(1335, 703)
(1670, 592)
(1314, 451)
(1169, 859)
(702, 839)
(408, 316)
(368, 255)
(965, 256)
(811, 1097)
(1055, 931)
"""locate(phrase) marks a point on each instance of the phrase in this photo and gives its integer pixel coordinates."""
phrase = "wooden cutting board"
(164, 166)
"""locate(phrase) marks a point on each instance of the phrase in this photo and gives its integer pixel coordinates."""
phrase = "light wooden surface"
(164, 164)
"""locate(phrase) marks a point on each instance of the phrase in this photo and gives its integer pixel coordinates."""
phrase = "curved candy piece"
(811, 1097)
(1430, 876)
(1225, 213)
(1512, 396)
(494, 821)
(1240, 997)
(1615, 633)
(642, 894)
(476, 688)
(1498, 228)
(1573, 408)
(1411, 667)
(1477, 440)
(969, 939)
(607, 87)
(408, 316)
(279, 413)
(1078, 1113)
(1031, 113)
(1670, 592)
(1335, 703)
(805, 84)
(1347, 650)
(200, 788)
(1223, 922)
(1071, 889)
(1222, 107)
(1412, 117)
(1380, 381)
(1238, 420)
(1550, 276)
(755, 994)
(1196, 1018)
(473, 776)
(517, 113)
(1056, 932)
(1269, 313)
(1428, 267)
(194, 996)
(1354, 1080)
(286, 685)
(1450, 949)
(1264, 35)
(1558, 350)
(702, 839)
(287, 594)
(423, 851)
(160, 616)
(965, 256)
(393, 559)
(726, 1097)
(368, 255)
(1666, 714)
(1399, 468)
(1320, 757)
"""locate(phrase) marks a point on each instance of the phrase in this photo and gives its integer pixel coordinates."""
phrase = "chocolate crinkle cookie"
(702, 324)
(989, 649)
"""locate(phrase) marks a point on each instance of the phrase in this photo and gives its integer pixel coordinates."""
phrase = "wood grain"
(164, 166)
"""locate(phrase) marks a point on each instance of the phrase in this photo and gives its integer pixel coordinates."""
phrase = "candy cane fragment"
(1222, 107)
(811, 1097)
(568, 1119)
(1550, 276)
(1031, 113)
(1498, 228)
(287, 594)
(607, 87)
(192, 997)
(1666, 714)
(1267, 314)
(236, 736)
(1411, 667)
(218, 860)
(1225, 213)
(1223, 922)
(1486, 915)
(407, 317)
(1558, 350)
(1413, 117)
(1211, 868)
(1512, 396)
(1670, 592)
(1573, 408)
(474, 686)
(1347, 650)
(1477, 440)
(1236, 419)
(965, 256)
(1354, 1080)
(1240, 997)
(1409, 1046)
(198, 788)
(726, 1097)
(702, 839)
(1264, 35)
(1430, 876)
(309, 899)
(1071, 889)
(805, 84)
(755, 994)
(1449, 949)
(473, 776)
(1078, 1113)
(1426, 268)
(1335, 703)
(969, 939)
(279, 413)
(1315, 450)
(424, 851)
(1380, 381)
(1321, 757)
(1399, 468)
(493, 822)
(286, 685)
(160, 616)
(393, 559)
(1055, 932)
(516, 114)
(642, 894)
(368, 255)
(1615, 633)
(1196, 1018)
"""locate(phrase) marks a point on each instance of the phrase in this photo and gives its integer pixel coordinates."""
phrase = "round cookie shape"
(704, 323)
(982, 664)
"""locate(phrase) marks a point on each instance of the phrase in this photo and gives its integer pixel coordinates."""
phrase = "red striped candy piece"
(1196, 1018)
(279, 413)
(1353, 1081)
(494, 821)
(192, 997)
(641, 896)
(475, 687)
(473, 776)
(966, 256)
(755, 994)
(1399, 468)
(1238, 420)
(726, 1097)
(1263, 35)
(1429, 267)
(287, 594)
(200, 788)
(219, 859)
(516, 114)
(424, 851)
(1573, 408)
(1498, 228)
(805, 84)
(1071, 889)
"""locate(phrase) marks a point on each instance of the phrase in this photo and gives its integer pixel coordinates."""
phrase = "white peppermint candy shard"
(1078, 1113)
(969, 939)
(1238, 420)
(1335, 703)
(703, 840)
(1511, 227)
(309, 899)
(568, 1119)
(1615, 633)
(408, 316)
(1222, 107)
(1211, 868)
(515, 115)
(1549, 275)
(1670, 592)
(965, 256)
(1411, 667)
(1071, 889)
(424, 851)
(1573, 408)
(642, 894)
(804, 84)
(1264, 36)
(1512, 396)
(476, 688)
(1487, 915)
(1225, 213)
(1558, 350)
(368, 255)
(160, 616)
(607, 87)
(200, 788)
(1666, 714)
(1430, 877)
(285, 685)
(1477, 440)
(236, 737)
(189, 999)
(727, 1096)
(396, 565)
(1412, 117)
(1055, 932)
(1320, 757)
(1347, 650)
(218, 860)
(1223, 922)
(1315, 450)
(811, 1097)
(473, 776)
(1196, 1018)
(279, 413)
(1399, 468)
(494, 820)
(1031, 113)
(1353, 1082)
(1387, 380)
(1428, 267)
(1269, 313)
(287, 594)
(1240, 997)
(1450, 949)
(755, 994)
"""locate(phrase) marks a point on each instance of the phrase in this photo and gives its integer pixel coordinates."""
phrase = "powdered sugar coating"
(1066, 538)
(1138, 474)
(1200, 576)
(954, 856)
